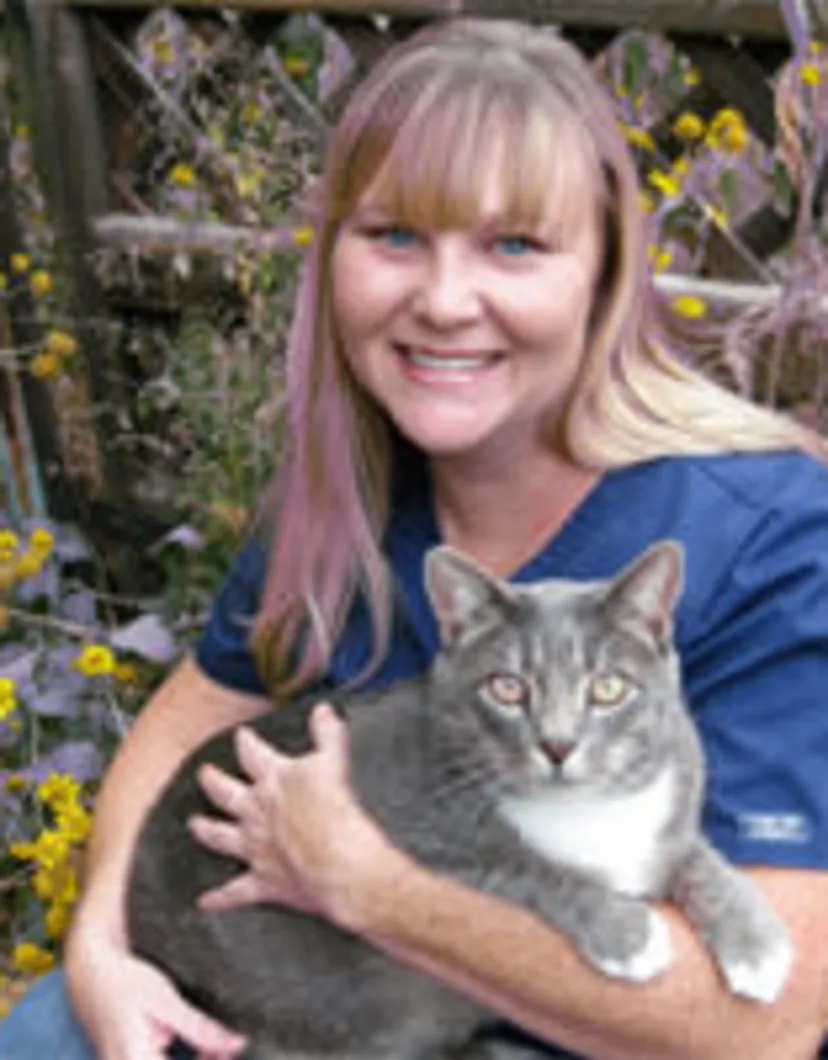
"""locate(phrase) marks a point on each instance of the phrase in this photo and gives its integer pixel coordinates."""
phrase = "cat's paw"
(762, 977)
(648, 960)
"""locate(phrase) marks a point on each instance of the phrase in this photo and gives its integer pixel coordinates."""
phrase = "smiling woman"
(475, 360)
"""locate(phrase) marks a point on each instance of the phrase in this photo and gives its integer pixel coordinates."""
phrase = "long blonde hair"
(425, 125)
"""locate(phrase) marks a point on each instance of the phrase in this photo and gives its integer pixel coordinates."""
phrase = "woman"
(475, 359)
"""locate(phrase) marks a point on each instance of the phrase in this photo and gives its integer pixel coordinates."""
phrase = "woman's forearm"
(184, 711)
(511, 961)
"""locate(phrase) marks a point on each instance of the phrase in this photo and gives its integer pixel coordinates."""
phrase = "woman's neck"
(502, 512)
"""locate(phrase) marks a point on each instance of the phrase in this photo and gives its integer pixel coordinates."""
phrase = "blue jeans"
(42, 1026)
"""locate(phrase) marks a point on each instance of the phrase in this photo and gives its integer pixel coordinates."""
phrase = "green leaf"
(784, 189)
(634, 65)
(730, 188)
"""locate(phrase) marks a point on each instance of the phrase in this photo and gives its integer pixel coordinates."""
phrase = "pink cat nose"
(558, 750)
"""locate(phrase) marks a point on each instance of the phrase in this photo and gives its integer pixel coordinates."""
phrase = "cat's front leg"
(748, 940)
(623, 937)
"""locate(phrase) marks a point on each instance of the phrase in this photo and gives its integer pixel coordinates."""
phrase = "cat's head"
(571, 682)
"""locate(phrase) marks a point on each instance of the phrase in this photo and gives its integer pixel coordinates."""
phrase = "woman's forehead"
(556, 188)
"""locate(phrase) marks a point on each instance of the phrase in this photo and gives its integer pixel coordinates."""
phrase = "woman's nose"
(448, 294)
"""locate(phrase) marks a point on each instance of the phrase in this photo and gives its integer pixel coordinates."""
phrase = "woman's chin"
(445, 440)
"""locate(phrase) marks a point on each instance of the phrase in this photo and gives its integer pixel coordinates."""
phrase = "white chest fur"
(614, 836)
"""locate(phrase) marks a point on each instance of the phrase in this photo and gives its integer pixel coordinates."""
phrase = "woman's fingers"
(219, 836)
(242, 890)
(225, 792)
(199, 1029)
(257, 758)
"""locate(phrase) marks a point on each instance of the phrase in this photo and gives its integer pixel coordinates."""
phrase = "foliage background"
(202, 343)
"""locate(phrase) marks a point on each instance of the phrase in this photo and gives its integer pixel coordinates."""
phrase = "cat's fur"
(578, 811)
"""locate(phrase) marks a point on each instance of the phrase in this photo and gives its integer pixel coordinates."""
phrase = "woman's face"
(468, 338)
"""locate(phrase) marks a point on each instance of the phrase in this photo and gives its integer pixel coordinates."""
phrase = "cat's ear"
(650, 587)
(463, 596)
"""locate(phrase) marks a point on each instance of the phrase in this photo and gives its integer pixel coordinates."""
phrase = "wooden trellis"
(82, 83)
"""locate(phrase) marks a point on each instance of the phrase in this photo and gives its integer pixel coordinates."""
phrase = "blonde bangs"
(428, 162)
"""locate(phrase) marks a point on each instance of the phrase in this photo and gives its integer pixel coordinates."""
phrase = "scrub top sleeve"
(222, 651)
(756, 678)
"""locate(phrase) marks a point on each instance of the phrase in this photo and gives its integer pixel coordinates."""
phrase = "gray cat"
(547, 757)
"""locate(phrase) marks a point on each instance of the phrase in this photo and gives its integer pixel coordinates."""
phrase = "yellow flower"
(163, 50)
(182, 175)
(46, 366)
(728, 131)
(58, 789)
(60, 343)
(73, 822)
(95, 660)
(56, 920)
(8, 697)
(9, 543)
(126, 673)
(639, 137)
(41, 282)
(302, 236)
(22, 132)
(41, 541)
(692, 77)
(4, 281)
(28, 564)
(660, 258)
(664, 182)
(31, 960)
(688, 126)
(251, 112)
(56, 883)
(296, 65)
(22, 851)
(810, 74)
(816, 47)
(19, 262)
(690, 306)
(14, 782)
(51, 849)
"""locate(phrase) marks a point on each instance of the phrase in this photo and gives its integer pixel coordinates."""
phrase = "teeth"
(457, 364)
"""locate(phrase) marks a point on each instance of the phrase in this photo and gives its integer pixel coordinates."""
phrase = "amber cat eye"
(508, 689)
(608, 690)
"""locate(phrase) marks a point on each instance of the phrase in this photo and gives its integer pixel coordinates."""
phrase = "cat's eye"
(508, 690)
(608, 690)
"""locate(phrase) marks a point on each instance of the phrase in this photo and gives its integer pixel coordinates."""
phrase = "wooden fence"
(84, 86)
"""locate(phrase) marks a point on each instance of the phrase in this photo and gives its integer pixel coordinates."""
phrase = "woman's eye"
(508, 690)
(516, 245)
(608, 690)
(396, 236)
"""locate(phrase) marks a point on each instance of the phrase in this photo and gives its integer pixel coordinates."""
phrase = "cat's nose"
(558, 750)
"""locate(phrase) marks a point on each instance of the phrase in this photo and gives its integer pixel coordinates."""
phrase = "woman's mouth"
(449, 364)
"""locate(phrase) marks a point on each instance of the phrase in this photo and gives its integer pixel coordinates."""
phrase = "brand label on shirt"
(775, 827)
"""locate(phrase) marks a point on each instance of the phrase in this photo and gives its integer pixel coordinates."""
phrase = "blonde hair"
(424, 126)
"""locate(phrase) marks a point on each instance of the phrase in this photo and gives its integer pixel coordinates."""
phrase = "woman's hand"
(297, 824)
(131, 1010)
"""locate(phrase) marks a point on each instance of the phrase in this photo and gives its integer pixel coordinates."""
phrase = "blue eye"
(516, 245)
(397, 236)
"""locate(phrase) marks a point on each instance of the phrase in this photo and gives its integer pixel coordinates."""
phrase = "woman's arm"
(510, 960)
(308, 842)
(184, 711)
